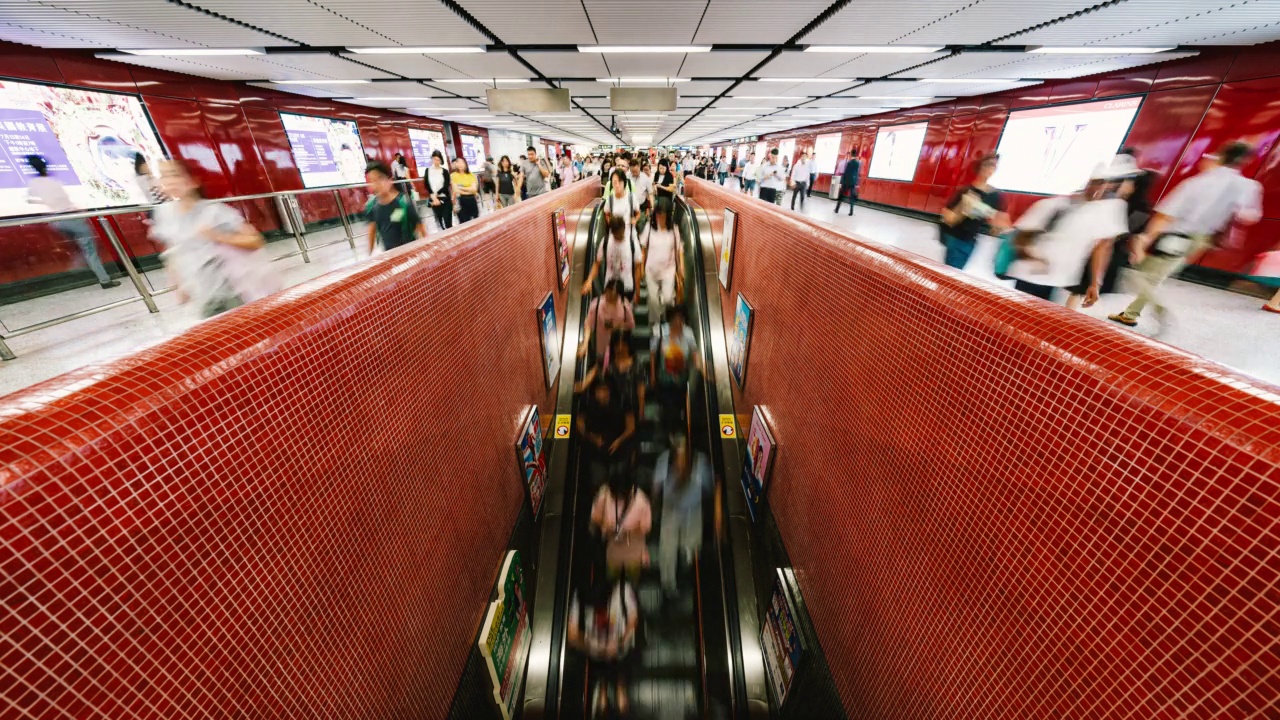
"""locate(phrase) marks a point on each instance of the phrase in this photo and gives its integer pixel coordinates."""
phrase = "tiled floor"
(1224, 326)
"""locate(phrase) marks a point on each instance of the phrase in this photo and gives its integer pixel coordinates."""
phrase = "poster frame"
(560, 243)
(730, 229)
(741, 337)
(531, 427)
(363, 152)
(549, 344)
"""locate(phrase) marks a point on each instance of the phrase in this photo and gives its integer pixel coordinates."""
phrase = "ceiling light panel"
(793, 64)
(128, 23)
(643, 65)
(567, 64)
(289, 66)
(419, 50)
(547, 22)
(1176, 22)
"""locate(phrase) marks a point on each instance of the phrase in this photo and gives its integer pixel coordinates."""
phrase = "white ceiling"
(542, 36)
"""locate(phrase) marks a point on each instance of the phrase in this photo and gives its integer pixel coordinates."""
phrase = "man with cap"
(1058, 237)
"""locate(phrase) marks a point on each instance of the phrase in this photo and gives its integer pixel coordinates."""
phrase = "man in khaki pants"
(1185, 222)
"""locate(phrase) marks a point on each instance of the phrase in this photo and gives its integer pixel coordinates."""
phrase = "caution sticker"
(728, 429)
(563, 422)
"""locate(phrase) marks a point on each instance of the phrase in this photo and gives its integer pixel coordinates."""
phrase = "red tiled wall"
(999, 508)
(1190, 106)
(229, 132)
(294, 510)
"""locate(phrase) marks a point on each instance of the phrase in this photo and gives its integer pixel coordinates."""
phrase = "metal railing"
(287, 207)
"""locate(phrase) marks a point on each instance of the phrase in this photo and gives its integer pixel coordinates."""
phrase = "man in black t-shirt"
(391, 214)
(974, 209)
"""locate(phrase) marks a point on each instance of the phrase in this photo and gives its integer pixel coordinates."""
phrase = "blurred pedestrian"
(800, 173)
(620, 368)
(213, 256)
(772, 179)
(49, 192)
(392, 216)
(604, 620)
(682, 479)
(1186, 222)
(619, 257)
(663, 261)
(623, 518)
(674, 356)
(606, 428)
(488, 184)
(849, 182)
(977, 208)
(609, 312)
(506, 179)
(664, 186)
(535, 175)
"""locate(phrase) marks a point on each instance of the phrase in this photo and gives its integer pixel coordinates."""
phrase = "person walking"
(849, 182)
(506, 181)
(664, 186)
(535, 175)
(722, 170)
(213, 256)
(619, 258)
(47, 191)
(604, 621)
(466, 191)
(566, 171)
(772, 179)
(1186, 221)
(974, 209)
(488, 183)
(1060, 238)
(392, 216)
(606, 426)
(749, 175)
(436, 178)
(663, 262)
(623, 518)
(642, 189)
(674, 356)
(607, 313)
(800, 172)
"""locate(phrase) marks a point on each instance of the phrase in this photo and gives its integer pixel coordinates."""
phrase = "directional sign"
(728, 428)
(563, 422)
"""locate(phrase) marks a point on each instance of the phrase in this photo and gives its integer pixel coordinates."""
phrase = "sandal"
(1271, 309)
(1123, 319)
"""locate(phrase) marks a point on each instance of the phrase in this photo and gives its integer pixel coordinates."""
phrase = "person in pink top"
(607, 313)
(621, 514)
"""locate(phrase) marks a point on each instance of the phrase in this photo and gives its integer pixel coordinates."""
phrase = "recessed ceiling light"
(424, 50)
(642, 80)
(320, 82)
(388, 98)
(968, 81)
(903, 49)
(890, 97)
(444, 109)
(197, 51)
(767, 97)
(1101, 50)
(644, 48)
(807, 80)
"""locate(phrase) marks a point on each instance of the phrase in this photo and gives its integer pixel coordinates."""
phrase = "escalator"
(690, 664)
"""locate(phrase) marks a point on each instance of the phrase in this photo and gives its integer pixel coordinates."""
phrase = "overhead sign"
(528, 100)
(642, 99)
(505, 637)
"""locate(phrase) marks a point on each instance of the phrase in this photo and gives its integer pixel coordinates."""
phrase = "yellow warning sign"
(728, 429)
(563, 422)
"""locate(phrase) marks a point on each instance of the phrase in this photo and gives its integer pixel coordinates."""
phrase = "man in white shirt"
(799, 181)
(749, 175)
(772, 179)
(1186, 221)
(47, 191)
(1065, 234)
(641, 189)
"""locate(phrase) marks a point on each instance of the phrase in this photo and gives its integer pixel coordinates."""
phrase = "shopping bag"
(1006, 253)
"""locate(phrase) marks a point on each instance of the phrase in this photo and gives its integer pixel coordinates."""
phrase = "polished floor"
(1223, 326)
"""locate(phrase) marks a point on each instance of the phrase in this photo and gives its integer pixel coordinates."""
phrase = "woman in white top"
(214, 257)
(618, 252)
(663, 264)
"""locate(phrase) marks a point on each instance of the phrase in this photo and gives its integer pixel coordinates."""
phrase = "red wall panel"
(1068, 521)
(249, 520)
(1164, 125)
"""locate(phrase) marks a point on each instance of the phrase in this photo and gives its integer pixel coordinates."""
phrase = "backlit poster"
(425, 142)
(897, 152)
(726, 248)
(560, 238)
(326, 151)
(787, 150)
(780, 641)
(1053, 150)
(549, 333)
(473, 151)
(505, 638)
(755, 471)
(88, 139)
(740, 343)
(533, 464)
(825, 152)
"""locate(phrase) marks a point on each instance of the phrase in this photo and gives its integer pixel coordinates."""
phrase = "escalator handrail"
(747, 678)
(543, 674)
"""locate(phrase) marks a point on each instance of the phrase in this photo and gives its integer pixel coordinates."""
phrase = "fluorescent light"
(320, 82)
(483, 81)
(443, 109)
(387, 99)
(767, 97)
(968, 81)
(890, 97)
(642, 80)
(197, 51)
(427, 50)
(1097, 50)
(644, 48)
(904, 49)
(807, 80)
